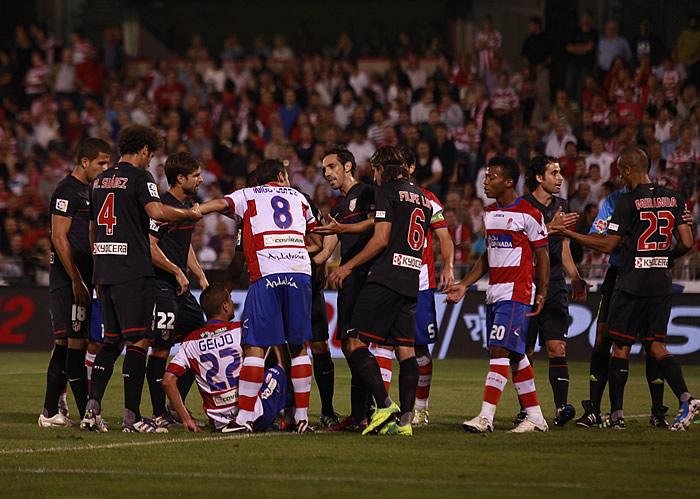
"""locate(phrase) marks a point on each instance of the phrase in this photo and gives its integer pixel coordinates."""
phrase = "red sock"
(496, 380)
(249, 383)
(524, 380)
(425, 377)
(385, 360)
(301, 381)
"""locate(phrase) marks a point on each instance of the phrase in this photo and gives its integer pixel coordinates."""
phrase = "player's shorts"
(384, 317)
(552, 323)
(277, 310)
(67, 319)
(128, 310)
(319, 316)
(506, 325)
(426, 318)
(97, 327)
(606, 292)
(273, 395)
(347, 297)
(174, 316)
(638, 318)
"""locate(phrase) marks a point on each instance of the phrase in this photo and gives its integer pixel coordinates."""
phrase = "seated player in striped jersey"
(214, 354)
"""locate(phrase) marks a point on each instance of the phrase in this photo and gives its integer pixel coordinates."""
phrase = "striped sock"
(301, 381)
(524, 380)
(249, 383)
(496, 380)
(89, 362)
(385, 360)
(425, 377)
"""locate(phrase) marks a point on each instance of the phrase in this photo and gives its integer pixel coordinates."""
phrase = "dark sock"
(673, 375)
(559, 379)
(134, 372)
(324, 374)
(408, 382)
(359, 397)
(77, 377)
(55, 380)
(655, 380)
(154, 374)
(619, 371)
(102, 370)
(365, 365)
(600, 363)
(184, 383)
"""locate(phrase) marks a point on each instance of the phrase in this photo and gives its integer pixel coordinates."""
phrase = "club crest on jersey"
(153, 190)
(76, 326)
(600, 225)
(165, 334)
(62, 205)
(353, 204)
(509, 223)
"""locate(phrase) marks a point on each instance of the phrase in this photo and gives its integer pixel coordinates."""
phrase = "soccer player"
(643, 224)
(385, 309)
(70, 281)
(276, 219)
(516, 237)
(123, 199)
(213, 354)
(351, 225)
(177, 312)
(543, 178)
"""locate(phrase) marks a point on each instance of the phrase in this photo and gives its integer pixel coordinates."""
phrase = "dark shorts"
(347, 297)
(606, 292)
(553, 322)
(319, 316)
(426, 318)
(638, 318)
(384, 317)
(67, 319)
(175, 316)
(127, 308)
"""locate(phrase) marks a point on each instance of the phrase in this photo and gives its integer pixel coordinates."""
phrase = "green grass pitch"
(439, 461)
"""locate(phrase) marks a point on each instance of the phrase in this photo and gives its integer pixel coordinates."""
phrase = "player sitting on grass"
(214, 354)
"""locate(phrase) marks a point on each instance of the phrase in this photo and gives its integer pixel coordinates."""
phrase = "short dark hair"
(91, 147)
(343, 154)
(536, 166)
(635, 157)
(213, 298)
(133, 138)
(408, 155)
(508, 165)
(268, 170)
(392, 161)
(180, 163)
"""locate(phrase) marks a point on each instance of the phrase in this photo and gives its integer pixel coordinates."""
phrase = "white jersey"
(275, 221)
(215, 355)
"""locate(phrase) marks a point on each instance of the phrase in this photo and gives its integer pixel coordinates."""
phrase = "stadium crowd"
(234, 106)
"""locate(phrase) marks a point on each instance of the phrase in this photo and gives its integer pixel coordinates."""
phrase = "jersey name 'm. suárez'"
(110, 183)
(660, 202)
(414, 198)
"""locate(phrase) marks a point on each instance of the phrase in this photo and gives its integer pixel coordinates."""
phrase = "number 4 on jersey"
(106, 215)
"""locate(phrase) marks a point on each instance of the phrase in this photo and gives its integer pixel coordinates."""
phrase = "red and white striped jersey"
(275, 220)
(437, 221)
(512, 234)
(214, 355)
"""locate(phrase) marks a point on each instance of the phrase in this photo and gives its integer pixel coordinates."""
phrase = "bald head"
(634, 158)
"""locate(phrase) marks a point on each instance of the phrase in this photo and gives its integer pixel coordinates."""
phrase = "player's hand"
(196, 212)
(203, 282)
(191, 425)
(455, 292)
(687, 217)
(562, 221)
(332, 227)
(337, 277)
(81, 295)
(447, 277)
(579, 289)
(539, 305)
(183, 284)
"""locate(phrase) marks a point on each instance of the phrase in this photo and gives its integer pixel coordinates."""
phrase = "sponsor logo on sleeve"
(613, 226)
(153, 225)
(410, 262)
(153, 190)
(353, 204)
(380, 214)
(62, 205)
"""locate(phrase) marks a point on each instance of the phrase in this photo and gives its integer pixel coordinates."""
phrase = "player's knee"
(77, 343)
(405, 353)
(556, 349)
(61, 343)
(319, 347)
(422, 350)
(657, 350)
(620, 350)
(160, 353)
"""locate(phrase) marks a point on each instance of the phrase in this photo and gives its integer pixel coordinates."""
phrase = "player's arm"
(330, 243)
(605, 243)
(60, 227)
(379, 241)
(335, 227)
(163, 262)
(542, 272)
(196, 268)
(314, 242)
(447, 250)
(170, 388)
(214, 206)
(579, 287)
(166, 213)
(457, 290)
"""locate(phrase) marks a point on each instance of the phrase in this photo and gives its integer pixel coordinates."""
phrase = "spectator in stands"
(556, 145)
(600, 157)
(612, 45)
(487, 44)
(581, 51)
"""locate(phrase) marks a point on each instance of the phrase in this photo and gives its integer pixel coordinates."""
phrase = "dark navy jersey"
(356, 206)
(119, 196)
(173, 239)
(404, 205)
(72, 199)
(556, 268)
(645, 218)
